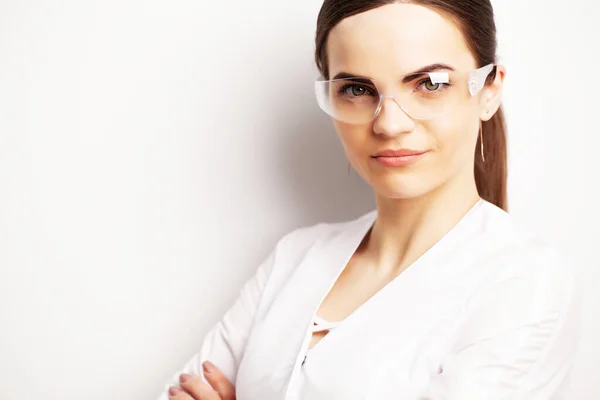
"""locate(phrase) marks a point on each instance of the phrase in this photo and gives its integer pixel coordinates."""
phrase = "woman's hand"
(194, 387)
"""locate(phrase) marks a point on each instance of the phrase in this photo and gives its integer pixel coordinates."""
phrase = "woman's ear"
(492, 95)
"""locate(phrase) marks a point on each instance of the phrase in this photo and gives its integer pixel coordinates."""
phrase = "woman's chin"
(400, 188)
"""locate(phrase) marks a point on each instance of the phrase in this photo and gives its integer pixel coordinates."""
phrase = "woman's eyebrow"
(405, 79)
(429, 68)
(353, 77)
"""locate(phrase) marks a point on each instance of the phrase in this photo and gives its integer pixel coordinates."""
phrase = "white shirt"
(320, 324)
(489, 312)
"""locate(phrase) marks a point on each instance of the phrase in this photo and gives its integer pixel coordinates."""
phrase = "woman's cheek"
(354, 140)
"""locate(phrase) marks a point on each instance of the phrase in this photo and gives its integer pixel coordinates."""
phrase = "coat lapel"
(284, 332)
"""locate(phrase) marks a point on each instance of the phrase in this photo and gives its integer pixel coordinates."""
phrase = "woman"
(436, 294)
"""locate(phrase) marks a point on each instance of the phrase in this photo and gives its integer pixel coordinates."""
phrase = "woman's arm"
(519, 339)
(224, 344)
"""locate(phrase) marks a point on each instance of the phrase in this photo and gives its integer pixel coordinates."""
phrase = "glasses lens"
(431, 95)
(421, 97)
(348, 100)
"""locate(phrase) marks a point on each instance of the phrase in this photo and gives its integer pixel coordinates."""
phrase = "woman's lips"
(399, 158)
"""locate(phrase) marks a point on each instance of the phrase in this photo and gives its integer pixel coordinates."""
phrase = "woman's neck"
(406, 228)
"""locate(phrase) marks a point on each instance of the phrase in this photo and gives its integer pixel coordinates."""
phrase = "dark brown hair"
(475, 19)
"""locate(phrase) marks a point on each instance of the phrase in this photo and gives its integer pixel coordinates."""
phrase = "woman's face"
(385, 44)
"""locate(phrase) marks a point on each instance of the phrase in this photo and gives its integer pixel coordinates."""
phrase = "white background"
(151, 153)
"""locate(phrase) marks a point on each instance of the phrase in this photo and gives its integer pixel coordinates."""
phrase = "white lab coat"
(489, 312)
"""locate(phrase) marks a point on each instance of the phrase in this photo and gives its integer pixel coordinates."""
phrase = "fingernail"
(183, 377)
(208, 367)
(174, 390)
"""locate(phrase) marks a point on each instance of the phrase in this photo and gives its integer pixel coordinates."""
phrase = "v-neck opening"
(371, 218)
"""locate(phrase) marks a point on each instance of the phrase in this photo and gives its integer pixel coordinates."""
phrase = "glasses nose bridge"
(382, 99)
(389, 96)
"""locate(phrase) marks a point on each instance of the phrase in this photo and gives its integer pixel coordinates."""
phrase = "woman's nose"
(392, 120)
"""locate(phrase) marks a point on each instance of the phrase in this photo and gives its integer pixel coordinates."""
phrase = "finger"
(176, 393)
(197, 388)
(219, 381)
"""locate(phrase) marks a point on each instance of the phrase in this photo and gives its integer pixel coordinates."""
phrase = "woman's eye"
(431, 87)
(356, 90)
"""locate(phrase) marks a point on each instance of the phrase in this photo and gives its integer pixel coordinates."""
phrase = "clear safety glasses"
(422, 96)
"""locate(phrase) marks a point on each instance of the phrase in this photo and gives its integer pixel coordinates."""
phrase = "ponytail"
(491, 174)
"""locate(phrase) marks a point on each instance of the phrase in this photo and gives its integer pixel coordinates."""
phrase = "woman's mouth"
(399, 158)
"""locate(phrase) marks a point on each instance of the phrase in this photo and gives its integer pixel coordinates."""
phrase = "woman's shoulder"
(503, 229)
(322, 238)
(323, 232)
(518, 272)
(515, 249)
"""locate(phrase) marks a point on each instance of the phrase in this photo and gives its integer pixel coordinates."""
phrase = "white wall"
(152, 152)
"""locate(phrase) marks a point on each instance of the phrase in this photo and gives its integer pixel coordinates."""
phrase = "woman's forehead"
(394, 40)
